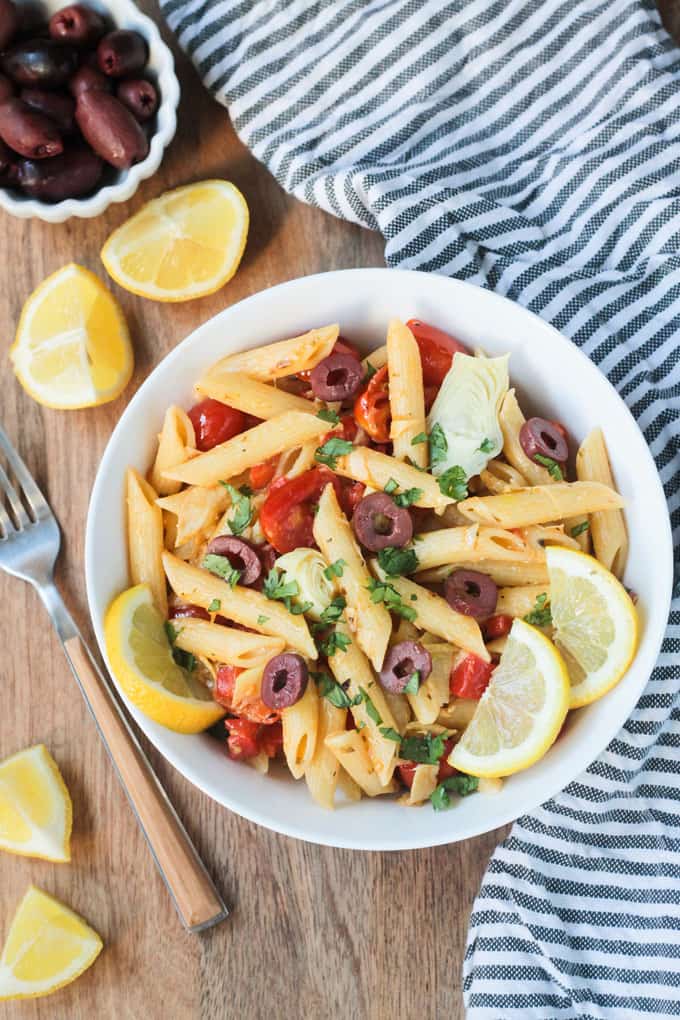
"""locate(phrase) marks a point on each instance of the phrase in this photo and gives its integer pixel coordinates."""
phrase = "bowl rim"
(655, 627)
(166, 126)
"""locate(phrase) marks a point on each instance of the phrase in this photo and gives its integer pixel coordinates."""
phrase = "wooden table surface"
(314, 932)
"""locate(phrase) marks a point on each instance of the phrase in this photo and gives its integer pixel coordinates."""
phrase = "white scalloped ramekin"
(161, 68)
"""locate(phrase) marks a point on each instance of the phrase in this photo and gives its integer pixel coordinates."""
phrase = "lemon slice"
(142, 661)
(72, 347)
(521, 711)
(47, 947)
(185, 244)
(595, 623)
(35, 806)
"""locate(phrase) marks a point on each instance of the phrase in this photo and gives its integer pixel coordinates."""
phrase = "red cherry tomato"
(347, 429)
(215, 422)
(352, 496)
(271, 739)
(181, 610)
(243, 740)
(254, 709)
(497, 626)
(372, 407)
(262, 474)
(436, 350)
(341, 346)
(287, 514)
(407, 769)
(471, 677)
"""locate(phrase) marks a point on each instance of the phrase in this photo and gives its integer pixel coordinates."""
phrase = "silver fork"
(29, 546)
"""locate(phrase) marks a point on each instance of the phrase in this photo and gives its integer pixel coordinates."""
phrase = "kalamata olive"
(337, 377)
(543, 437)
(471, 593)
(77, 24)
(240, 554)
(401, 662)
(284, 680)
(88, 79)
(56, 105)
(110, 129)
(140, 97)
(121, 53)
(28, 132)
(9, 22)
(6, 88)
(379, 522)
(76, 172)
(9, 167)
(40, 62)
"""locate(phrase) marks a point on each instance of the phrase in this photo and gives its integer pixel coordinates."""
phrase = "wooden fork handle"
(196, 899)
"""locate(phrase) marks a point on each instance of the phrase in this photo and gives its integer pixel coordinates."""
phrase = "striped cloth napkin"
(531, 147)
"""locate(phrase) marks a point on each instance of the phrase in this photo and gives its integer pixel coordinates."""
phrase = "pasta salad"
(374, 568)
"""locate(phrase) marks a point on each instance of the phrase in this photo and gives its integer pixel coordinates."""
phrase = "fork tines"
(21, 501)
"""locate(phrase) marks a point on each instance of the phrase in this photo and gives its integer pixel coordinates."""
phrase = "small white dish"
(553, 378)
(121, 184)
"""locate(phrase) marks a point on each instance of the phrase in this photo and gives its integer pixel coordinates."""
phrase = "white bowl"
(552, 376)
(122, 186)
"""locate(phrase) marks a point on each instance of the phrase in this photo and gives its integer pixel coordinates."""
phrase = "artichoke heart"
(306, 567)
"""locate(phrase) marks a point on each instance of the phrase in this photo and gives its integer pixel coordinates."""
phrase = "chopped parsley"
(413, 464)
(460, 784)
(333, 612)
(439, 446)
(453, 483)
(413, 683)
(187, 660)
(371, 711)
(215, 606)
(424, 748)
(277, 590)
(390, 734)
(370, 370)
(540, 615)
(334, 569)
(383, 591)
(408, 498)
(329, 415)
(420, 438)
(578, 529)
(554, 469)
(396, 562)
(486, 446)
(330, 451)
(221, 567)
(333, 691)
(243, 509)
(335, 640)
(261, 620)
(391, 486)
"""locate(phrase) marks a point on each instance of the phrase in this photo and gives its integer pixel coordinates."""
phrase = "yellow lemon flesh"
(521, 711)
(595, 623)
(35, 806)
(183, 245)
(72, 348)
(142, 661)
(47, 947)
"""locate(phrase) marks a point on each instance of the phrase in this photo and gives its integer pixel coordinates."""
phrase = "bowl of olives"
(88, 101)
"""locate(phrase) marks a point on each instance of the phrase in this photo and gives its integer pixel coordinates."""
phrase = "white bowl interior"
(553, 376)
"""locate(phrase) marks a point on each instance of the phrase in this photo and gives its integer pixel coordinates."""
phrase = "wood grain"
(313, 932)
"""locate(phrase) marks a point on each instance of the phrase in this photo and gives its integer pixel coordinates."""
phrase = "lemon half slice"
(72, 347)
(521, 711)
(595, 621)
(142, 661)
(35, 806)
(47, 947)
(185, 244)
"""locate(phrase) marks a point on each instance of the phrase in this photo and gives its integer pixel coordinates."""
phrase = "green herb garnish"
(215, 606)
(391, 486)
(243, 509)
(390, 734)
(413, 683)
(420, 438)
(329, 645)
(460, 784)
(486, 446)
(396, 562)
(439, 446)
(221, 567)
(334, 611)
(383, 591)
(540, 615)
(408, 498)
(261, 620)
(329, 415)
(333, 691)
(277, 590)
(370, 370)
(371, 711)
(578, 529)
(554, 469)
(453, 483)
(330, 451)
(426, 748)
(334, 569)
(187, 660)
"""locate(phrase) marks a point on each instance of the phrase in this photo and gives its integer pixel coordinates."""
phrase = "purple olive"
(471, 593)
(88, 79)
(121, 53)
(40, 62)
(284, 680)
(240, 554)
(379, 522)
(401, 662)
(543, 437)
(76, 172)
(110, 129)
(9, 22)
(9, 168)
(6, 88)
(140, 97)
(29, 133)
(77, 24)
(56, 105)
(337, 377)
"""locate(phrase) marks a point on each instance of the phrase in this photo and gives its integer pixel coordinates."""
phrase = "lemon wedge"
(72, 347)
(47, 947)
(595, 623)
(35, 806)
(183, 245)
(521, 711)
(142, 661)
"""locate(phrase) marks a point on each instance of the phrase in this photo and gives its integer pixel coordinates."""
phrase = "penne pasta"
(470, 544)
(321, 774)
(607, 526)
(500, 477)
(511, 419)
(541, 504)
(145, 538)
(537, 536)
(246, 606)
(250, 395)
(196, 511)
(376, 359)
(376, 469)
(346, 785)
(501, 572)
(176, 444)
(407, 400)
(400, 709)
(423, 785)
(519, 601)
(249, 448)
(300, 731)
(351, 751)
(458, 713)
(285, 357)
(226, 644)
(433, 692)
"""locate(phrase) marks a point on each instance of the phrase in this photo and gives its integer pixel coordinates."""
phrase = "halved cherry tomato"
(407, 770)
(346, 429)
(180, 610)
(287, 514)
(215, 422)
(372, 407)
(225, 679)
(254, 709)
(497, 626)
(352, 496)
(471, 677)
(262, 474)
(271, 739)
(341, 346)
(436, 350)
(243, 738)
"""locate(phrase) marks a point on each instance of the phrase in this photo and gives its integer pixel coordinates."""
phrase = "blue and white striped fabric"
(532, 147)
